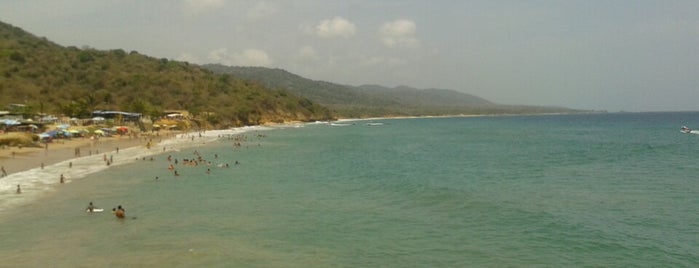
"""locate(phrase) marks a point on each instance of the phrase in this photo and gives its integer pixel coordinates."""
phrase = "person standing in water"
(90, 208)
(119, 212)
(19, 190)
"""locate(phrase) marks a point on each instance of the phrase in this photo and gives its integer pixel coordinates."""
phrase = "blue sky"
(603, 55)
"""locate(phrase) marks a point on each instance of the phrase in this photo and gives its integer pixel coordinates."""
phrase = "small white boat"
(374, 124)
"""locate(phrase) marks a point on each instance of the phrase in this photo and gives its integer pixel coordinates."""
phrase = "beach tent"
(51, 133)
(74, 132)
(10, 122)
(49, 118)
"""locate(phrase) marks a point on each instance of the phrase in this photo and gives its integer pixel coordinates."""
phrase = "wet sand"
(26, 158)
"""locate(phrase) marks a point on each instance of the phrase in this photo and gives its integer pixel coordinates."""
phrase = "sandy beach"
(15, 159)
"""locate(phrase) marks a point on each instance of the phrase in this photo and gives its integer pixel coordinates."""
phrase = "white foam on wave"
(35, 182)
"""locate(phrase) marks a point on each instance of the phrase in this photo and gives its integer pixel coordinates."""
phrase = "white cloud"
(336, 27)
(399, 33)
(252, 57)
(382, 61)
(248, 57)
(196, 7)
(262, 10)
(307, 53)
(220, 56)
(188, 58)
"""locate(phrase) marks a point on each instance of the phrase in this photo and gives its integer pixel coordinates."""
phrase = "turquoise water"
(610, 190)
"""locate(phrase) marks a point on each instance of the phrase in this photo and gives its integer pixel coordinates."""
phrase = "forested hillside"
(70, 81)
(374, 100)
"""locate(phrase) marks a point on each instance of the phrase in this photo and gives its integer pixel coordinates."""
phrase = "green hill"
(374, 100)
(49, 78)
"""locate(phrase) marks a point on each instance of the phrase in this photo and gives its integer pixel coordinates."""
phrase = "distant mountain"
(48, 78)
(425, 97)
(375, 100)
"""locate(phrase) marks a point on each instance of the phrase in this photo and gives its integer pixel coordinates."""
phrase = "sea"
(586, 190)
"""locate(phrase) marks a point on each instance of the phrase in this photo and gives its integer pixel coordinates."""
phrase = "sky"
(615, 55)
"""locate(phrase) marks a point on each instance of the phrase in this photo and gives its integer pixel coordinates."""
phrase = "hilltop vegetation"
(374, 100)
(49, 78)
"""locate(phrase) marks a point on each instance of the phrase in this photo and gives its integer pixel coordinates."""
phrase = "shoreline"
(16, 159)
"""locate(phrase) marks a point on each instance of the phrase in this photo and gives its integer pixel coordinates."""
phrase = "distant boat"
(374, 124)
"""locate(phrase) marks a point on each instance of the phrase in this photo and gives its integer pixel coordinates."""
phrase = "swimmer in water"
(90, 208)
(119, 212)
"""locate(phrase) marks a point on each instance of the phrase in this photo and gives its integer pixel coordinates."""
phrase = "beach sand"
(26, 158)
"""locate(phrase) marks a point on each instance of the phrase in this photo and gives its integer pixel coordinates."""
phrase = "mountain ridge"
(376, 100)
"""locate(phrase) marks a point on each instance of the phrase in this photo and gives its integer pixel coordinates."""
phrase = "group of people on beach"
(119, 211)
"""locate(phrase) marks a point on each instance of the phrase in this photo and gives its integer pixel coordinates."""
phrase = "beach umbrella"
(99, 131)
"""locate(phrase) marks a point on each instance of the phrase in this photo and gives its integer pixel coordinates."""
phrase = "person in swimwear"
(119, 212)
(90, 208)
(19, 190)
